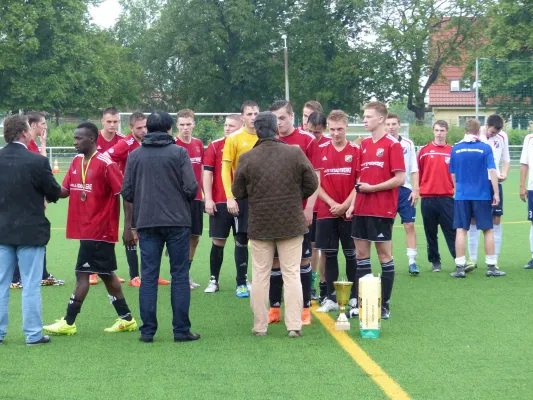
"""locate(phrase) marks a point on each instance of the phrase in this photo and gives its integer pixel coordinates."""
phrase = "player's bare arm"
(396, 181)
(415, 193)
(523, 177)
(210, 206)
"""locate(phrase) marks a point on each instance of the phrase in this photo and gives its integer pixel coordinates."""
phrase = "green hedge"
(422, 135)
(62, 135)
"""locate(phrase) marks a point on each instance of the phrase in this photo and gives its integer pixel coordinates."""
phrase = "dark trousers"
(151, 243)
(438, 211)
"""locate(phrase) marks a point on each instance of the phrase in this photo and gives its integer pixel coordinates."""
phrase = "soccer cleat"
(459, 272)
(306, 317)
(93, 279)
(51, 281)
(413, 269)
(435, 267)
(135, 282)
(314, 294)
(193, 285)
(212, 287)
(242, 292)
(529, 265)
(274, 315)
(121, 325)
(327, 306)
(385, 313)
(470, 266)
(493, 271)
(162, 282)
(16, 285)
(354, 310)
(61, 328)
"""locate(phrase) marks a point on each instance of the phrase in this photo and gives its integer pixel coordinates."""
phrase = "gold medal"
(84, 174)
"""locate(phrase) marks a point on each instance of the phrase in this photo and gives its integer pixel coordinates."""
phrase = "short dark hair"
(110, 110)
(266, 125)
(317, 119)
(34, 116)
(442, 123)
(278, 105)
(136, 116)
(249, 103)
(393, 116)
(14, 127)
(314, 105)
(91, 128)
(495, 121)
(159, 121)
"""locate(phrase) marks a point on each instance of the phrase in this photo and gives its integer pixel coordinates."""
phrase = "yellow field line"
(378, 375)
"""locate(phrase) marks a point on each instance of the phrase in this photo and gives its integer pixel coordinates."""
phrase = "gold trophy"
(342, 289)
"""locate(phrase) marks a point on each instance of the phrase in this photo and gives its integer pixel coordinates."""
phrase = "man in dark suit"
(26, 180)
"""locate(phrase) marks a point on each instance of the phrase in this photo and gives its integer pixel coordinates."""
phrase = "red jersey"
(97, 217)
(306, 142)
(119, 153)
(434, 176)
(196, 153)
(338, 176)
(213, 163)
(377, 163)
(323, 139)
(33, 147)
(103, 145)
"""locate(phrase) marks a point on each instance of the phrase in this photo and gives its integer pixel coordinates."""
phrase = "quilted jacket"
(275, 177)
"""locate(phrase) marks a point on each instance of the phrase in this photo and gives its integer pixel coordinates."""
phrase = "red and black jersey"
(103, 145)
(338, 174)
(119, 153)
(213, 163)
(196, 153)
(96, 217)
(378, 162)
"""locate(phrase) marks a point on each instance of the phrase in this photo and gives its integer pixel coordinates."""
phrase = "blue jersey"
(469, 162)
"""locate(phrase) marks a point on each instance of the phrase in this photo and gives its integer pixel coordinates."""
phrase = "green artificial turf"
(447, 338)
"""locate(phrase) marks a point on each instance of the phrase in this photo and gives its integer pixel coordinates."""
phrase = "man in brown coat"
(275, 177)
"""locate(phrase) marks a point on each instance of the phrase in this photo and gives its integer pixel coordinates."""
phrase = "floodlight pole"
(477, 88)
(286, 51)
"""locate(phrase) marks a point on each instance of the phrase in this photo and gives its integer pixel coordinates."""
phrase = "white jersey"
(527, 159)
(409, 158)
(500, 148)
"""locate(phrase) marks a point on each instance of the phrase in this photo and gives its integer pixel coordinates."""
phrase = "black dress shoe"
(43, 340)
(146, 339)
(187, 337)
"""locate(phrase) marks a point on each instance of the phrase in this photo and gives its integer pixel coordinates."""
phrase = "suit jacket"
(25, 181)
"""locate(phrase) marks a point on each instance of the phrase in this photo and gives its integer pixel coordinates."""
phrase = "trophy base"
(342, 326)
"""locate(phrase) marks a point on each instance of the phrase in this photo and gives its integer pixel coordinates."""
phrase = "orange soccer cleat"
(161, 281)
(274, 315)
(93, 279)
(306, 317)
(135, 282)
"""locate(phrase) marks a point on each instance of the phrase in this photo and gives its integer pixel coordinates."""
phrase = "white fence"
(64, 155)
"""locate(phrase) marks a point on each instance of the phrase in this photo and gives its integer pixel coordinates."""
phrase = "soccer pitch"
(446, 339)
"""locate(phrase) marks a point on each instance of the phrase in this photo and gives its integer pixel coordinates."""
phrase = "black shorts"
(197, 217)
(241, 225)
(96, 257)
(373, 229)
(222, 223)
(312, 229)
(329, 231)
(307, 247)
(497, 210)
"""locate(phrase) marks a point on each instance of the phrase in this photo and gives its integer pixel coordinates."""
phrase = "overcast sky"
(106, 14)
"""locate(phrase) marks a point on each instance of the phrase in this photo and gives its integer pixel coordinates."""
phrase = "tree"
(425, 35)
(58, 62)
(507, 76)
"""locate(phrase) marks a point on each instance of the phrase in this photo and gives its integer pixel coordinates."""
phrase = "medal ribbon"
(84, 171)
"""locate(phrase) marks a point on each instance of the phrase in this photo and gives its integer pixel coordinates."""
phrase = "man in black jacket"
(160, 183)
(25, 181)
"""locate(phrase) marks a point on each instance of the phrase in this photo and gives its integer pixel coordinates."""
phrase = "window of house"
(461, 119)
(455, 85)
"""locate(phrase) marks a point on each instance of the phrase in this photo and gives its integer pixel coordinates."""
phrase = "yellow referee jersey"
(237, 143)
